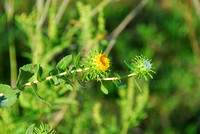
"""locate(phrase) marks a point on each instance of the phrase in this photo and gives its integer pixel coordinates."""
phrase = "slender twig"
(100, 6)
(40, 4)
(79, 70)
(123, 24)
(116, 78)
(50, 77)
(197, 7)
(61, 10)
(13, 62)
(9, 8)
(44, 15)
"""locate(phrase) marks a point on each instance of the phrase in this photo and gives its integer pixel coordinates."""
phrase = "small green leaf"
(138, 86)
(34, 87)
(25, 73)
(53, 72)
(129, 66)
(8, 96)
(30, 129)
(54, 81)
(65, 89)
(74, 75)
(103, 89)
(119, 84)
(77, 60)
(69, 87)
(64, 63)
(116, 75)
(67, 81)
(39, 73)
(82, 85)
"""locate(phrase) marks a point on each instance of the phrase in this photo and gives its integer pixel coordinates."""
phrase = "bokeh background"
(44, 31)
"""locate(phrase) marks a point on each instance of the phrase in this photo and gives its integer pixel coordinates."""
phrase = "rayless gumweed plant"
(95, 66)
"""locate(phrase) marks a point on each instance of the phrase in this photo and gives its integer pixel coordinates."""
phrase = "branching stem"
(123, 25)
(79, 70)
(61, 11)
(44, 15)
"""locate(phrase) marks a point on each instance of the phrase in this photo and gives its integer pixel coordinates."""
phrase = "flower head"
(98, 65)
(101, 61)
(142, 66)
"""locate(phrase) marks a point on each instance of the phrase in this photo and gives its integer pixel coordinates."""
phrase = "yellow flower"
(102, 62)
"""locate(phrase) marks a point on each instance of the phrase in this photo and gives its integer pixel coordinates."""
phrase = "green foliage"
(77, 60)
(30, 129)
(142, 67)
(119, 84)
(132, 105)
(62, 65)
(8, 96)
(39, 73)
(86, 23)
(43, 129)
(26, 73)
(34, 87)
(104, 89)
(166, 31)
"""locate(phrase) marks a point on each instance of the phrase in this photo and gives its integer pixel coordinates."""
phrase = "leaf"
(30, 129)
(74, 75)
(103, 89)
(25, 73)
(64, 90)
(39, 73)
(116, 75)
(69, 87)
(129, 66)
(138, 86)
(77, 60)
(82, 85)
(8, 96)
(54, 81)
(64, 63)
(34, 87)
(67, 81)
(119, 84)
(53, 72)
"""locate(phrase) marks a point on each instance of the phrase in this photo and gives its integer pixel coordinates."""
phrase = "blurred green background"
(166, 31)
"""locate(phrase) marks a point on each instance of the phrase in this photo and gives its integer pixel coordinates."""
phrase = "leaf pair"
(27, 72)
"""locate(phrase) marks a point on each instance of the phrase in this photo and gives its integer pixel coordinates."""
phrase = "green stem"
(61, 11)
(123, 25)
(9, 8)
(44, 15)
(13, 62)
(100, 6)
(79, 70)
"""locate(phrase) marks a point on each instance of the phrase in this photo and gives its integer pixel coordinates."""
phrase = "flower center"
(101, 61)
(147, 64)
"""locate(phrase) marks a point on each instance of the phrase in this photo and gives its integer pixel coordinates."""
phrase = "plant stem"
(44, 15)
(50, 77)
(79, 70)
(125, 76)
(100, 6)
(9, 8)
(61, 10)
(13, 62)
(197, 7)
(123, 25)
